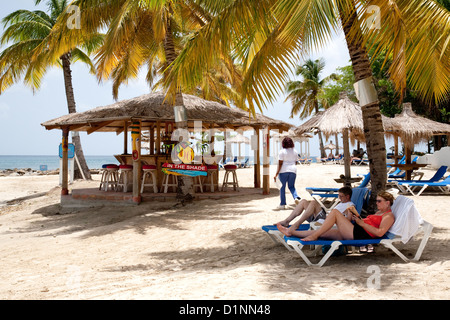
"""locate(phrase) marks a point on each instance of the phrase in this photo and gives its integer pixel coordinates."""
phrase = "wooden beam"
(136, 156)
(65, 162)
(125, 137)
(266, 161)
(98, 126)
(256, 161)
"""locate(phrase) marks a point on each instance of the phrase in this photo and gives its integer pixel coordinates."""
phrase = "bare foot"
(283, 223)
(310, 238)
(283, 230)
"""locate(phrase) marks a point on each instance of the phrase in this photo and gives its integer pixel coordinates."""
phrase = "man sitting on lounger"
(310, 210)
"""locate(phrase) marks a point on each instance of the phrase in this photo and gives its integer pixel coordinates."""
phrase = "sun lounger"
(398, 173)
(408, 223)
(364, 183)
(360, 161)
(403, 185)
(277, 237)
(358, 198)
(443, 186)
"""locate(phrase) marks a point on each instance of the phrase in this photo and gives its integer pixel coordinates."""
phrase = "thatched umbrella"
(412, 129)
(239, 139)
(342, 117)
(330, 146)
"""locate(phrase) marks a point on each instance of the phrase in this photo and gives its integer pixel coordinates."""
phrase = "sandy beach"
(210, 249)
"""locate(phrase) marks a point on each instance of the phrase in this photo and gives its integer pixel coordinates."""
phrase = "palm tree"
(415, 33)
(148, 33)
(304, 94)
(27, 31)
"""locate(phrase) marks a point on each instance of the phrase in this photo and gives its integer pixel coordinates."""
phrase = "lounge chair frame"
(387, 241)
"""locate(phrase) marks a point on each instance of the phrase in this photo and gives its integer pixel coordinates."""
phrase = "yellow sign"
(184, 152)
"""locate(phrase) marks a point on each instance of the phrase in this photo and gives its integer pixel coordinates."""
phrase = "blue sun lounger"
(363, 184)
(408, 223)
(403, 185)
(358, 198)
(277, 237)
(443, 186)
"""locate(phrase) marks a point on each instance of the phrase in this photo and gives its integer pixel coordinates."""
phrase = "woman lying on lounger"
(374, 226)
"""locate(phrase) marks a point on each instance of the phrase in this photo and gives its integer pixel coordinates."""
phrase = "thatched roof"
(345, 114)
(150, 108)
(412, 128)
(239, 139)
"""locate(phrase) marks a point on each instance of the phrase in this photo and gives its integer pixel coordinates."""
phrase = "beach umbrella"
(412, 129)
(330, 146)
(343, 117)
(239, 139)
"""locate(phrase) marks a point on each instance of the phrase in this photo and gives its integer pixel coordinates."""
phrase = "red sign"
(185, 167)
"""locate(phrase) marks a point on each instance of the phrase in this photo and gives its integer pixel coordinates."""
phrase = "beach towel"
(407, 218)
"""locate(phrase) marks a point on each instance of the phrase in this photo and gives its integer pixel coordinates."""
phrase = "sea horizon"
(51, 162)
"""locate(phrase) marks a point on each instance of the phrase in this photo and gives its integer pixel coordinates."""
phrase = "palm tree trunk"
(185, 187)
(72, 109)
(373, 126)
(322, 147)
(337, 145)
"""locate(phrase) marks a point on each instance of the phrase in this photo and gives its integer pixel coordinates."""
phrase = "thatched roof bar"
(99, 126)
(152, 107)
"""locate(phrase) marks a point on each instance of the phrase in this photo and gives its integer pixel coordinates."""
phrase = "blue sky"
(22, 111)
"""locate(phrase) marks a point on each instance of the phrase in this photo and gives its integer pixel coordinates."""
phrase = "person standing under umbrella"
(287, 171)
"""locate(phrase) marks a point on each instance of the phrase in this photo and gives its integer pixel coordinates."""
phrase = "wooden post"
(152, 140)
(346, 154)
(158, 137)
(266, 161)
(125, 137)
(408, 161)
(257, 161)
(136, 155)
(65, 162)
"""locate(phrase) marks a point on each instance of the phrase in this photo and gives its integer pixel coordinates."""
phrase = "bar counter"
(158, 161)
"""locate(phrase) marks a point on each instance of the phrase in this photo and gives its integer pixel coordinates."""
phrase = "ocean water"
(52, 162)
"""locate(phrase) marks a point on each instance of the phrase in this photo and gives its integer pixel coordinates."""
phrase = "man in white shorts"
(310, 210)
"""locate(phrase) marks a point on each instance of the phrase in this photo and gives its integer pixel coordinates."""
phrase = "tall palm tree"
(304, 94)
(27, 31)
(415, 33)
(151, 33)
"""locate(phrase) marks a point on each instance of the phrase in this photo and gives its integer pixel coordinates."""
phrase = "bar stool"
(166, 182)
(109, 177)
(212, 176)
(103, 178)
(198, 184)
(125, 177)
(231, 168)
(149, 172)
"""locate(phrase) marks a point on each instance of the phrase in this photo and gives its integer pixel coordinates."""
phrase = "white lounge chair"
(408, 223)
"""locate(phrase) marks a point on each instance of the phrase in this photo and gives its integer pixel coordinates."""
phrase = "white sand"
(207, 250)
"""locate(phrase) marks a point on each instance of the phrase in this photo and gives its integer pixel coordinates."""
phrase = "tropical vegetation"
(25, 31)
(305, 94)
